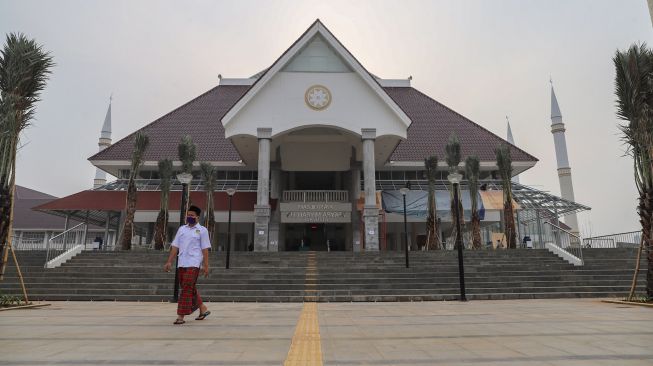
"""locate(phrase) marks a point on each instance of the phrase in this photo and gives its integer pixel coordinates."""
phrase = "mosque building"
(316, 148)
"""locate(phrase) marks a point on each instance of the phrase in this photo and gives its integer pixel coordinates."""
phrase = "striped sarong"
(189, 299)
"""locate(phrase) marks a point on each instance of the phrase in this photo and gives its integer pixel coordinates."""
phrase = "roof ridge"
(110, 147)
(469, 120)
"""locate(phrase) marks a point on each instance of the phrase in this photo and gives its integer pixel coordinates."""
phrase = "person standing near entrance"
(191, 245)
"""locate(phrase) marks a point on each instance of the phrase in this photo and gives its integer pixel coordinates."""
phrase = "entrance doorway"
(317, 237)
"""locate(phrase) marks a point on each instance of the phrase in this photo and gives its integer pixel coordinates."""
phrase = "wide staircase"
(334, 276)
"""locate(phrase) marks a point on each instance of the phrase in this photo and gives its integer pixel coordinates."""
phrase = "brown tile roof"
(27, 219)
(145, 201)
(199, 118)
(432, 124)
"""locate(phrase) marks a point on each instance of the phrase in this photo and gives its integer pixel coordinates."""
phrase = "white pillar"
(355, 190)
(275, 217)
(262, 208)
(370, 211)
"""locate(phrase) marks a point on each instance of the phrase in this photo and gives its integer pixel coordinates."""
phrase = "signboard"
(315, 212)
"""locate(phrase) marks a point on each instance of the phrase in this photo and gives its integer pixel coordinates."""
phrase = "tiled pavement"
(511, 332)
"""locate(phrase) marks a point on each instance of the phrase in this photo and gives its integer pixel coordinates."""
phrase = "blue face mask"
(191, 220)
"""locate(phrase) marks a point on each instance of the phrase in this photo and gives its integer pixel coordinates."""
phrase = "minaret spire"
(515, 179)
(103, 143)
(564, 168)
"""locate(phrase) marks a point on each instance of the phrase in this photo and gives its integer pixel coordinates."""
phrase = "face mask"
(191, 220)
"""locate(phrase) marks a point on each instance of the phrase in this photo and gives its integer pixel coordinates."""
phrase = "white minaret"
(564, 170)
(515, 179)
(103, 143)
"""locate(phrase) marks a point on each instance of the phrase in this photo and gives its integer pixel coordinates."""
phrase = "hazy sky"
(484, 59)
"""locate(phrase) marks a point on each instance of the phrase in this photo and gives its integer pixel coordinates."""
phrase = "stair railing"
(568, 242)
(68, 239)
(622, 240)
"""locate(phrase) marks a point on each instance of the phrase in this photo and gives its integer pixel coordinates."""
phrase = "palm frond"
(141, 142)
(187, 154)
(504, 161)
(453, 152)
(165, 175)
(208, 175)
(472, 170)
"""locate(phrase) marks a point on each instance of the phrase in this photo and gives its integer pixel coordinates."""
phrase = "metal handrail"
(52, 241)
(71, 229)
(315, 196)
(629, 239)
(571, 246)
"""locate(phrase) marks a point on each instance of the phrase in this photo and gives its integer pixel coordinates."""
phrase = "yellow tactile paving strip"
(305, 348)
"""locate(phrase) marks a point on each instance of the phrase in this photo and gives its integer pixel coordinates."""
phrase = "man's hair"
(195, 209)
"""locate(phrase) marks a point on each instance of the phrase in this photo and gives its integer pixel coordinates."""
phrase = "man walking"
(191, 245)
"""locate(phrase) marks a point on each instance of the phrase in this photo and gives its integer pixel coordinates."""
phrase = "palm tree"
(140, 145)
(472, 169)
(208, 174)
(165, 175)
(187, 152)
(452, 150)
(432, 227)
(504, 162)
(634, 90)
(24, 72)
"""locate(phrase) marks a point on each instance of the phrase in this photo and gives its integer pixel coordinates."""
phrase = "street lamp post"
(184, 179)
(455, 178)
(230, 192)
(404, 191)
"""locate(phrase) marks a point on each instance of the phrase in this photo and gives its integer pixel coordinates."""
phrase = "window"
(232, 175)
(385, 175)
(397, 175)
(222, 175)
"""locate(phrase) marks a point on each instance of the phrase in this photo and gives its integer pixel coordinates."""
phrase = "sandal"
(179, 321)
(203, 315)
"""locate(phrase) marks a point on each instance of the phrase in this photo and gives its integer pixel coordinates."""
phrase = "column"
(355, 191)
(105, 239)
(262, 207)
(370, 211)
(275, 217)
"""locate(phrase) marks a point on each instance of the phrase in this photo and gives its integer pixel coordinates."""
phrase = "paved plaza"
(511, 332)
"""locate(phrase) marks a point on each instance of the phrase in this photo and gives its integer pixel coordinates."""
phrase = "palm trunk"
(433, 230)
(210, 225)
(7, 217)
(210, 217)
(509, 217)
(476, 231)
(646, 220)
(461, 217)
(128, 229)
(633, 285)
(7, 199)
(160, 229)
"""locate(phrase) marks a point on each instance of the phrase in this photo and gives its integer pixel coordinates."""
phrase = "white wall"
(280, 105)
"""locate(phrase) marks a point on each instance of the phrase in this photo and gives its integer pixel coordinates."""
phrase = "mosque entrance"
(315, 236)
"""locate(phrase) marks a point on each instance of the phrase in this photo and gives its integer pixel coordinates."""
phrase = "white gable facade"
(316, 109)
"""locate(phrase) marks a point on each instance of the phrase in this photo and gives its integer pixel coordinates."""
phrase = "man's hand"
(205, 271)
(166, 267)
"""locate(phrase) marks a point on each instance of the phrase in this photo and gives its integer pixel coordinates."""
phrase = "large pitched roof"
(432, 124)
(199, 118)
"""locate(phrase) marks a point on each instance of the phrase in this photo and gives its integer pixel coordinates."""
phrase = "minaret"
(103, 143)
(564, 170)
(515, 179)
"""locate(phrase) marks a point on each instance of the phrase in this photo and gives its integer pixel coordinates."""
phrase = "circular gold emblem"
(317, 97)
